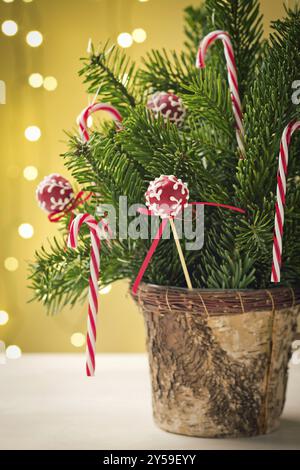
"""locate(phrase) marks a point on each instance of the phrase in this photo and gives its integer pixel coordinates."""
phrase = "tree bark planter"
(218, 359)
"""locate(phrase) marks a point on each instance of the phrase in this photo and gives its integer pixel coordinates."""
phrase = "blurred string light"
(50, 83)
(143, 1)
(9, 27)
(35, 80)
(30, 173)
(27, 1)
(77, 339)
(125, 40)
(4, 317)
(105, 290)
(139, 35)
(32, 133)
(26, 231)
(34, 38)
(11, 263)
(13, 352)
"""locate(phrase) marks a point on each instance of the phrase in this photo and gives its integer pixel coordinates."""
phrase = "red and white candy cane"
(114, 113)
(280, 201)
(95, 233)
(206, 42)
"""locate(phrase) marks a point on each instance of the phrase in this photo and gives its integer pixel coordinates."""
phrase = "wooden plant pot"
(218, 358)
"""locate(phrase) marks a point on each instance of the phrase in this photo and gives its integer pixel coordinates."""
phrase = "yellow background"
(66, 26)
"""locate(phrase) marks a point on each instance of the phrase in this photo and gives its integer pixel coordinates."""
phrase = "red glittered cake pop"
(167, 105)
(166, 196)
(54, 193)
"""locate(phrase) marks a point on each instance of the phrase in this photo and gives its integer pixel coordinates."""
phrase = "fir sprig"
(237, 252)
(243, 21)
(116, 75)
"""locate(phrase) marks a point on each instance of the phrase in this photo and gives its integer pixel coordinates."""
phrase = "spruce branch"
(164, 71)
(58, 276)
(195, 27)
(238, 248)
(209, 100)
(115, 73)
(243, 21)
(269, 109)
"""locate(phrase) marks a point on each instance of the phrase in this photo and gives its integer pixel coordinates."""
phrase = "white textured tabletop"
(46, 402)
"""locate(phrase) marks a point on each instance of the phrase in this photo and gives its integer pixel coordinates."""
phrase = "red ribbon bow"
(56, 216)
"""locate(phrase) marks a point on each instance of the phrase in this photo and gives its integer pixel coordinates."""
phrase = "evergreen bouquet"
(218, 351)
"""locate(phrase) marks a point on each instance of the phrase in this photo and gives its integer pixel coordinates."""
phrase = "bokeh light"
(9, 27)
(8, 1)
(125, 40)
(77, 339)
(11, 263)
(33, 133)
(30, 173)
(35, 80)
(34, 38)
(139, 35)
(105, 290)
(4, 317)
(13, 352)
(50, 83)
(26, 231)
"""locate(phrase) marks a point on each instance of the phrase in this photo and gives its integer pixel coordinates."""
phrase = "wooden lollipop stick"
(179, 249)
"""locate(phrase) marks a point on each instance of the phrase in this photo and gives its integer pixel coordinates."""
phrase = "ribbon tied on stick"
(166, 197)
(80, 198)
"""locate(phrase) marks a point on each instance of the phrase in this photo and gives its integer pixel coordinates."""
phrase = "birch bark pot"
(219, 359)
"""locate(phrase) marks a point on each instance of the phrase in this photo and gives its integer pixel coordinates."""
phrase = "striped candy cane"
(280, 198)
(232, 79)
(95, 233)
(114, 113)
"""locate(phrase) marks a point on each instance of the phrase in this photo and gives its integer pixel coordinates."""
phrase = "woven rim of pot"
(162, 299)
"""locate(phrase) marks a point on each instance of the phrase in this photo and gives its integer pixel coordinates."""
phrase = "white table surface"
(46, 402)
